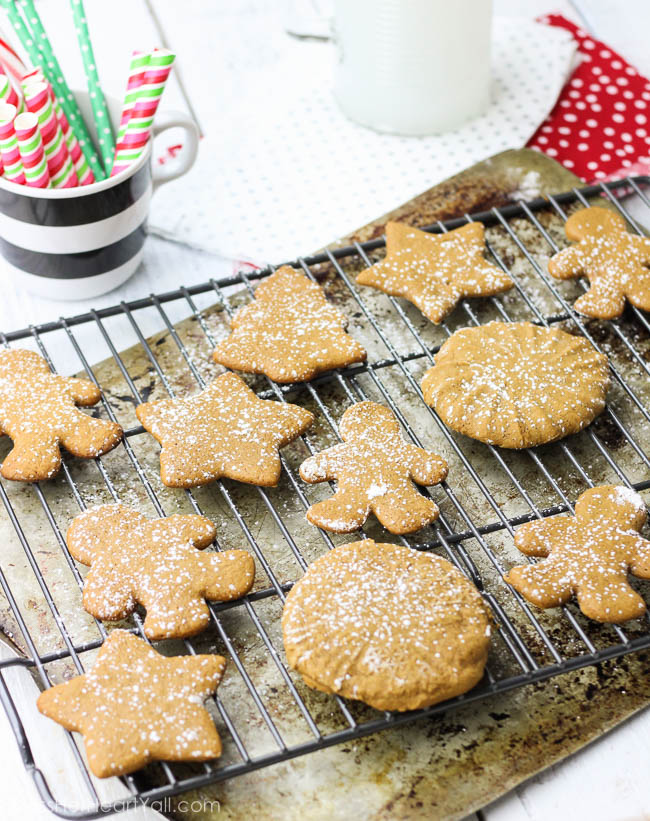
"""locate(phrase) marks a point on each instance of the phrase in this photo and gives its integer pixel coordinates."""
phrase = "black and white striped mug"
(77, 243)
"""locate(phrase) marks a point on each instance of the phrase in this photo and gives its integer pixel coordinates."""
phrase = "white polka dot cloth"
(290, 173)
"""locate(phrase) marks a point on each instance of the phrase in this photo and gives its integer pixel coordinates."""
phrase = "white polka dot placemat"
(290, 173)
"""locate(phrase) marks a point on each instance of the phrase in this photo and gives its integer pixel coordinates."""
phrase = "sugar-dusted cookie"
(516, 385)
(388, 625)
(614, 261)
(587, 555)
(156, 563)
(375, 469)
(290, 332)
(223, 431)
(37, 410)
(136, 706)
(435, 271)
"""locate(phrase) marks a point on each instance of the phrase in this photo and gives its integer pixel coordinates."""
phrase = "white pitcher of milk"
(413, 67)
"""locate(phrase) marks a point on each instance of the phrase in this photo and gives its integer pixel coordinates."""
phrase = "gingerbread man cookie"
(136, 706)
(516, 384)
(37, 410)
(375, 469)
(587, 555)
(394, 627)
(614, 261)
(223, 431)
(435, 271)
(290, 332)
(156, 563)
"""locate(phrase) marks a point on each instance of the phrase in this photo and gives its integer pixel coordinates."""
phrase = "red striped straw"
(59, 164)
(30, 145)
(139, 125)
(137, 70)
(11, 62)
(83, 171)
(8, 93)
(11, 160)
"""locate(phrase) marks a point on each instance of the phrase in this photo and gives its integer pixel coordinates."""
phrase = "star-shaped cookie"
(290, 332)
(37, 410)
(136, 706)
(375, 468)
(614, 261)
(157, 563)
(587, 555)
(223, 431)
(435, 271)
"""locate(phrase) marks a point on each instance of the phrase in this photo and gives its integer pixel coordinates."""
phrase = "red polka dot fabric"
(600, 126)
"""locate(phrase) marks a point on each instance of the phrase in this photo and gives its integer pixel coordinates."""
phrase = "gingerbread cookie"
(156, 563)
(290, 332)
(394, 627)
(435, 271)
(587, 556)
(614, 261)
(136, 706)
(516, 385)
(375, 469)
(37, 410)
(223, 431)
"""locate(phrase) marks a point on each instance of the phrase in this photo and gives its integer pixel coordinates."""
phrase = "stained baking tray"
(264, 712)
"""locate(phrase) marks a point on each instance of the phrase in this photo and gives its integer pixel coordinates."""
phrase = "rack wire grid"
(265, 713)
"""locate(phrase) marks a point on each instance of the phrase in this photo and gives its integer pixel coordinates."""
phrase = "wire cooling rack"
(487, 494)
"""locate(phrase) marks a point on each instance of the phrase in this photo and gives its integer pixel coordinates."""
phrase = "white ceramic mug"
(413, 67)
(77, 243)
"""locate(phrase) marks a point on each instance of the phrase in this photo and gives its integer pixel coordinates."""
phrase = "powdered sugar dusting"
(517, 384)
(156, 563)
(615, 262)
(290, 332)
(136, 706)
(225, 430)
(37, 410)
(375, 468)
(391, 626)
(588, 555)
(435, 271)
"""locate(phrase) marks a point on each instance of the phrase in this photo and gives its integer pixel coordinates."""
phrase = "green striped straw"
(97, 99)
(39, 50)
(140, 123)
(139, 63)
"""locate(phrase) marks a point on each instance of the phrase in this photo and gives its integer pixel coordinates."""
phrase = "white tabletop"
(608, 780)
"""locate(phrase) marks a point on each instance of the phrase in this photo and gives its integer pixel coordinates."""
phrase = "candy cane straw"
(137, 68)
(138, 128)
(11, 62)
(13, 164)
(8, 94)
(84, 173)
(59, 164)
(30, 145)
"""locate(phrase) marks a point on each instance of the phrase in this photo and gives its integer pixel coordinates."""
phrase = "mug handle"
(176, 119)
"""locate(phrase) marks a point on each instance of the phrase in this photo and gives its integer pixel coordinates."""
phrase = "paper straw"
(138, 128)
(11, 62)
(30, 145)
(97, 99)
(137, 68)
(83, 171)
(8, 93)
(13, 164)
(40, 51)
(59, 164)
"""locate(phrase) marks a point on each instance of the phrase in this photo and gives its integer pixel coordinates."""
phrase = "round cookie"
(515, 384)
(394, 627)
